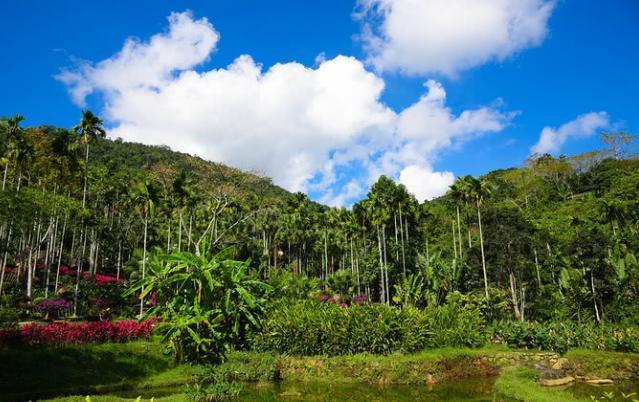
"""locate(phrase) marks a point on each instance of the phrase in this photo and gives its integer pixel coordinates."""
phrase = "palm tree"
(460, 192)
(90, 127)
(478, 191)
(147, 196)
(17, 148)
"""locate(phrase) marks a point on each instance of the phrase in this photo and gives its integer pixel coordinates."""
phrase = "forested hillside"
(555, 238)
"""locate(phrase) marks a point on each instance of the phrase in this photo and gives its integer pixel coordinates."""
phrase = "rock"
(599, 381)
(560, 363)
(555, 382)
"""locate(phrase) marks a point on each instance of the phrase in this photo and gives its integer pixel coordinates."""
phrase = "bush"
(561, 336)
(9, 317)
(315, 328)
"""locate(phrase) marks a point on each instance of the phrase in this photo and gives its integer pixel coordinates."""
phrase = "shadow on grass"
(34, 373)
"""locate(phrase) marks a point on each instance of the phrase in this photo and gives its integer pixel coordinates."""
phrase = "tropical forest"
(136, 271)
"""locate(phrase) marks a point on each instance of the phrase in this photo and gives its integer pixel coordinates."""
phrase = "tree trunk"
(401, 227)
(4, 259)
(146, 224)
(83, 241)
(454, 242)
(180, 233)
(513, 296)
(537, 269)
(382, 291)
(385, 264)
(4, 178)
(86, 172)
(57, 274)
(119, 262)
(594, 295)
(483, 256)
(461, 255)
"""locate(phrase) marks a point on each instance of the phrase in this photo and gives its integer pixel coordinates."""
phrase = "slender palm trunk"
(180, 233)
(146, 224)
(117, 275)
(452, 224)
(83, 241)
(401, 227)
(57, 274)
(461, 255)
(483, 256)
(326, 251)
(4, 258)
(86, 172)
(385, 264)
(537, 269)
(168, 237)
(382, 291)
(4, 178)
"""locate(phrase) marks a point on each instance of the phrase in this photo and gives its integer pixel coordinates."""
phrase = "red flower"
(63, 333)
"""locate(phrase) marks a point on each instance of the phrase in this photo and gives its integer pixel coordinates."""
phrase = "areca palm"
(147, 196)
(476, 191)
(90, 127)
(17, 147)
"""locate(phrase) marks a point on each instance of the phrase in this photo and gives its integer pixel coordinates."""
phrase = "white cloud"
(303, 126)
(146, 65)
(425, 184)
(552, 139)
(448, 36)
(426, 128)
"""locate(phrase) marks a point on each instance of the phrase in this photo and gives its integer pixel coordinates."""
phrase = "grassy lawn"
(521, 384)
(41, 372)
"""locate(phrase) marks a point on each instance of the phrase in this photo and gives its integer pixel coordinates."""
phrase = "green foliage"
(561, 336)
(213, 385)
(314, 328)
(207, 304)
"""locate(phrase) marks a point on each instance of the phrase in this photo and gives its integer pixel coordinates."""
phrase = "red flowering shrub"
(63, 333)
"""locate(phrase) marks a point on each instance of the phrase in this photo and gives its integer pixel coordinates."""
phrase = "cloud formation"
(552, 139)
(419, 37)
(307, 127)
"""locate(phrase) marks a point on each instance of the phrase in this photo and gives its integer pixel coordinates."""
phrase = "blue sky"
(325, 125)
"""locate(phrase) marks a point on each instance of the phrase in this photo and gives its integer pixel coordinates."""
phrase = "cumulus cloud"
(427, 127)
(303, 126)
(424, 183)
(448, 36)
(552, 139)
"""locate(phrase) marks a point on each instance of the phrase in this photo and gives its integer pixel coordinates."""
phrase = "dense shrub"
(63, 333)
(316, 328)
(561, 336)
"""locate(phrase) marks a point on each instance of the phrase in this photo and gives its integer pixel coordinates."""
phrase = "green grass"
(110, 398)
(599, 364)
(521, 384)
(40, 372)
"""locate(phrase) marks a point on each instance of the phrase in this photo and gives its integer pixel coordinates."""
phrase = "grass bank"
(34, 373)
(108, 368)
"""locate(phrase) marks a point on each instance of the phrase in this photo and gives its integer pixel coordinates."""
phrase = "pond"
(467, 390)
(463, 391)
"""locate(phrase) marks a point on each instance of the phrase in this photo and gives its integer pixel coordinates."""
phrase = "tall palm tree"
(90, 127)
(460, 190)
(478, 191)
(147, 196)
